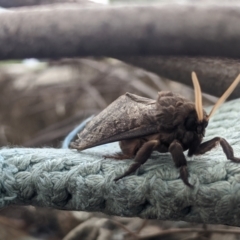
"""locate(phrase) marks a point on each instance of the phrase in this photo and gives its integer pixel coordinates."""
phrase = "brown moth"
(169, 124)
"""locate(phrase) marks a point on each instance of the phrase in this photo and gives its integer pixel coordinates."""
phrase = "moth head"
(201, 122)
(194, 125)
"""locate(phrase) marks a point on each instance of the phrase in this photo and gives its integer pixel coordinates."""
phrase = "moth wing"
(127, 117)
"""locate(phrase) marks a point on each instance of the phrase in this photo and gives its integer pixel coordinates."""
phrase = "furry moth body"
(169, 124)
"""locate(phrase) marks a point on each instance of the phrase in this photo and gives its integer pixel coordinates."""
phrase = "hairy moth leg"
(209, 145)
(179, 159)
(141, 157)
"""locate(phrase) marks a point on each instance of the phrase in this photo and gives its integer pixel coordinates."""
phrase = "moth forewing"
(127, 117)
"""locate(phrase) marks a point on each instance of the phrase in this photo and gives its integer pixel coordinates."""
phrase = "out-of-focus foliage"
(29, 223)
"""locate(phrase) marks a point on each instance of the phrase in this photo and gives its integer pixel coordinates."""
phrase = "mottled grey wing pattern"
(129, 116)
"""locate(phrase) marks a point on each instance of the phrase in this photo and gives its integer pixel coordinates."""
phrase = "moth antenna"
(222, 99)
(198, 97)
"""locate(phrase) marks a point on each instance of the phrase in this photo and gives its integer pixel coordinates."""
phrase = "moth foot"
(235, 159)
(118, 178)
(122, 176)
(184, 176)
(131, 169)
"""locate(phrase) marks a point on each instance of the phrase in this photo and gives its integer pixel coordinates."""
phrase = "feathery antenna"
(198, 97)
(222, 99)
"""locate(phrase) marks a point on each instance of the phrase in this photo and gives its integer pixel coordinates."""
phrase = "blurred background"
(42, 101)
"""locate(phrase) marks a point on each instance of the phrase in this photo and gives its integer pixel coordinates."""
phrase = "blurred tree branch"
(22, 3)
(166, 29)
(215, 74)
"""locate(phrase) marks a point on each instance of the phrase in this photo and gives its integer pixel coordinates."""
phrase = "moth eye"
(206, 124)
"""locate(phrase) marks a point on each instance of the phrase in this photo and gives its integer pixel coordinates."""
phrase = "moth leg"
(209, 145)
(179, 159)
(141, 157)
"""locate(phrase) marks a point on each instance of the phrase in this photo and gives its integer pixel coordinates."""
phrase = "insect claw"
(189, 184)
(184, 176)
(122, 176)
(236, 160)
(116, 179)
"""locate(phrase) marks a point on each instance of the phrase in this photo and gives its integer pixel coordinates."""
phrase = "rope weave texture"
(71, 180)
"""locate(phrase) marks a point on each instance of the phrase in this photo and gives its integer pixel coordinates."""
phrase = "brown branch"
(165, 29)
(215, 75)
(133, 234)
